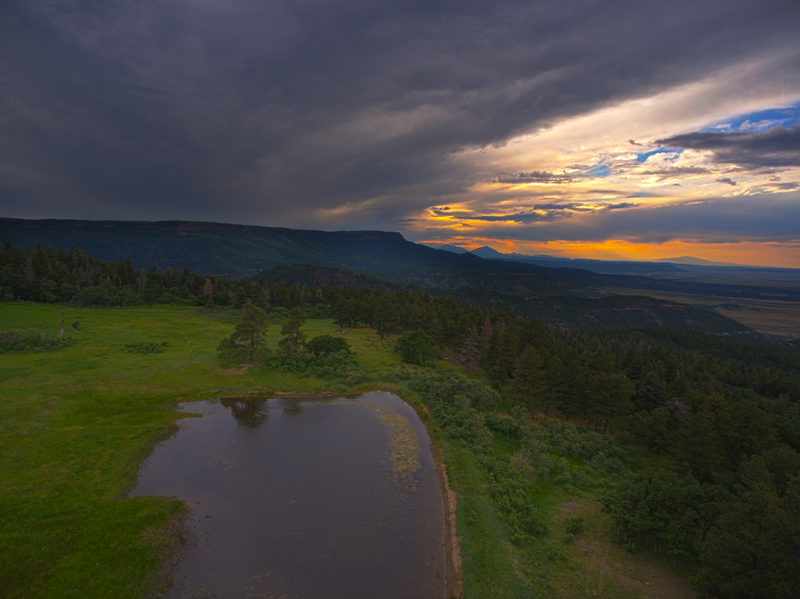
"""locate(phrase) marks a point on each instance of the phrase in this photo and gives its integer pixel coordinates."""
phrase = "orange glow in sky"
(750, 254)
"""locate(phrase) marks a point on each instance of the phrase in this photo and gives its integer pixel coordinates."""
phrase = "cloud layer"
(353, 114)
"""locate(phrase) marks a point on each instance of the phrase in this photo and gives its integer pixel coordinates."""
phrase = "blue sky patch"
(760, 120)
(646, 155)
(601, 170)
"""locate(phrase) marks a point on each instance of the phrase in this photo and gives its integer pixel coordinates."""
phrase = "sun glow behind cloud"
(597, 185)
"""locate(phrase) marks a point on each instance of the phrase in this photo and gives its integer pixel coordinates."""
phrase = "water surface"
(312, 498)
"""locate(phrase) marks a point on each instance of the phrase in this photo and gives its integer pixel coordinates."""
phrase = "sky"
(596, 129)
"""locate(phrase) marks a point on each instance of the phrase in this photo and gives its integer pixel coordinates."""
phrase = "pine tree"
(240, 298)
(470, 356)
(528, 386)
(295, 338)
(208, 287)
(129, 277)
(248, 341)
(487, 330)
(385, 317)
(700, 449)
(141, 282)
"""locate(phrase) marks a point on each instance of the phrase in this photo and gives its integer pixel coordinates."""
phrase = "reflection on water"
(248, 411)
(312, 498)
(293, 410)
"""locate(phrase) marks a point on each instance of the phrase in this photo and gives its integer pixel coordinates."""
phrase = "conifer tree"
(240, 297)
(487, 330)
(470, 356)
(295, 338)
(528, 386)
(247, 343)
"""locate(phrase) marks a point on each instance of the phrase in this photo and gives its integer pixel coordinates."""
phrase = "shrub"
(324, 345)
(416, 347)
(444, 388)
(574, 525)
(30, 341)
(146, 347)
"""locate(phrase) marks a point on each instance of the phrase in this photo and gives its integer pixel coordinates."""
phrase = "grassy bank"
(76, 422)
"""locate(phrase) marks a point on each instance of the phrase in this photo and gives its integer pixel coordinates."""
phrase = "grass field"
(76, 423)
(771, 317)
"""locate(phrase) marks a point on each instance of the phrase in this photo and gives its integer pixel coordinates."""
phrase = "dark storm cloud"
(339, 114)
(726, 180)
(775, 147)
(540, 177)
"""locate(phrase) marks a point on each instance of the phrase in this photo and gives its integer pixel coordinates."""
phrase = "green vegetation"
(76, 423)
(315, 259)
(652, 445)
(246, 343)
(325, 345)
(30, 341)
(295, 338)
(146, 347)
(416, 347)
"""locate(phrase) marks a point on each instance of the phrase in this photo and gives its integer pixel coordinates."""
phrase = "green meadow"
(76, 423)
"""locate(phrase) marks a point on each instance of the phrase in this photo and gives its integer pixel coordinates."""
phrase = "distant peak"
(487, 252)
(447, 247)
(696, 261)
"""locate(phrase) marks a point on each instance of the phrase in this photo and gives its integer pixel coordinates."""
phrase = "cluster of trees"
(248, 342)
(46, 275)
(661, 505)
(753, 550)
(324, 356)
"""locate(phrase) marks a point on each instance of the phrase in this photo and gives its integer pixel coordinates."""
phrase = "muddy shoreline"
(452, 542)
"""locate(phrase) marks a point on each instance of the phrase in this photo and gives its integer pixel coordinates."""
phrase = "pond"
(304, 498)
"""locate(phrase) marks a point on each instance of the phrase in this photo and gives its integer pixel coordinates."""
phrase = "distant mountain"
(241, 250)
(370, 258)
(447, 248)
(235, 250)
(696, 261)
(488, 253)
(598, 266)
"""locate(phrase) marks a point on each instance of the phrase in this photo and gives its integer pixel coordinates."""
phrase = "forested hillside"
(240, 250)
(48, 275)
